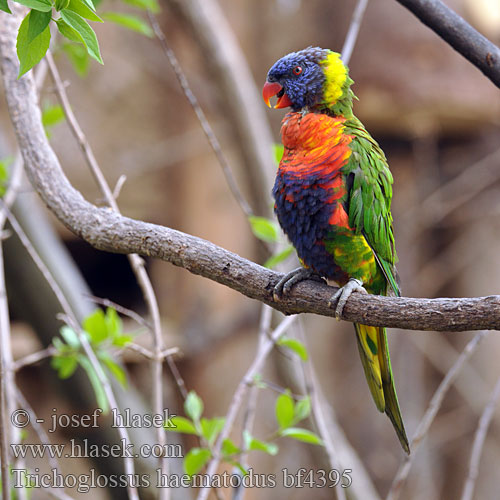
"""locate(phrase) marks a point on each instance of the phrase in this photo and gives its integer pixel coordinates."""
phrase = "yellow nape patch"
(335, 75)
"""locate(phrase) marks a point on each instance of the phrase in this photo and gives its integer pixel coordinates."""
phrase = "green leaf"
(85, 31)
(278, 152)
(91, 4)
(229, 448)
(122, 340)
(65, 365)
(276, 259)
(284, 410)
(296, 346)
(302, 409)
(70, 337)
(193, 406)
(51, 116)
(58, 344)
(31, 52)
(41, 5)
(61, 4)
(252, 443)
(130, 22)
(210, 428)
(182, 425)
(115, 369)
(151, 5)
(38, 21)
(95, 325)
(264, 229)
(113, 322)
(67, 31)
(258, 382)
(243, 471)
(83, 10)
(195, 460)
(303, 435)
(100, 394)
(5, 6)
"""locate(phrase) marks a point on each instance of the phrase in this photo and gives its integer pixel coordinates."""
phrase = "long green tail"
(374, 352)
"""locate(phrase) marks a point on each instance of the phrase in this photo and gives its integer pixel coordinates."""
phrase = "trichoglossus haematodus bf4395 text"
(333, 196)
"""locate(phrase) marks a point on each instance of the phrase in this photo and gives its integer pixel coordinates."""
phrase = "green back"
(369, 198)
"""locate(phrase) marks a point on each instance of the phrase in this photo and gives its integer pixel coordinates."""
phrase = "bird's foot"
(343, 294)
(290, 279)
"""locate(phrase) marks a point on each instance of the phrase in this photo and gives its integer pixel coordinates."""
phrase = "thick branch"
(113, 232)
(459, 34)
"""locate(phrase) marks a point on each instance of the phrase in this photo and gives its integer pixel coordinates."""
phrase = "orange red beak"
(271, 89)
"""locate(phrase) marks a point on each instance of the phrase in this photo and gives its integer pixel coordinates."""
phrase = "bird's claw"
(342, 295)
(290, 279)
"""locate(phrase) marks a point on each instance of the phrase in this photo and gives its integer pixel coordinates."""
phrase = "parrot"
(332, 193)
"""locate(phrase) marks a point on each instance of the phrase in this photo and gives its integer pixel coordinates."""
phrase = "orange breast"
(314, 144)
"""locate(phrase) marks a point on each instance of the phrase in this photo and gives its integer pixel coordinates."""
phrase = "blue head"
(309, 78)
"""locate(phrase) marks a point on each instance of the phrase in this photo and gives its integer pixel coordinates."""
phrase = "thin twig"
(39, 430)
(4, 376)
(118, 186)
(136, 262)
(248, 422)
(128, 461)
(5, 350)
(33, 358)
(149, 354)
(352, 34)
(78, 133)
(224, 59)
(266, 316)
(205, 125)
(141, 350)
(312, 383)
(450, 196)
(237, 400)
(122, 310)
(181, 385)
(479, 438)
(430, 414)
(38, 262)
(441, 354)
(7, 383)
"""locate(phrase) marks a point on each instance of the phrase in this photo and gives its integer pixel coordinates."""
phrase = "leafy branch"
(72, 20)
(104, 332)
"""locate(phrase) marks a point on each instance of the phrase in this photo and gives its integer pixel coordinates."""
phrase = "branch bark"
(112, 232)
(459, 34)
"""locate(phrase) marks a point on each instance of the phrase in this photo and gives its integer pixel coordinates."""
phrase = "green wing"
(368, 201)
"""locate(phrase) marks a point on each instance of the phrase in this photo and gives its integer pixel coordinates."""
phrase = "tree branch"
(459, 34)
(479, 439)
(109, 231)
(200, 114)
(352, 33)
(431, 412)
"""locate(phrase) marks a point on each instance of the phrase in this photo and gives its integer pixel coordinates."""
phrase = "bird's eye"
(297, 70)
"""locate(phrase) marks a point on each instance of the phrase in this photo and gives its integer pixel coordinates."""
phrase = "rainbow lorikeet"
(333, 196)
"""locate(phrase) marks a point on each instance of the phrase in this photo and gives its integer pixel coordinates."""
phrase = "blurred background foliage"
(437, 119)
